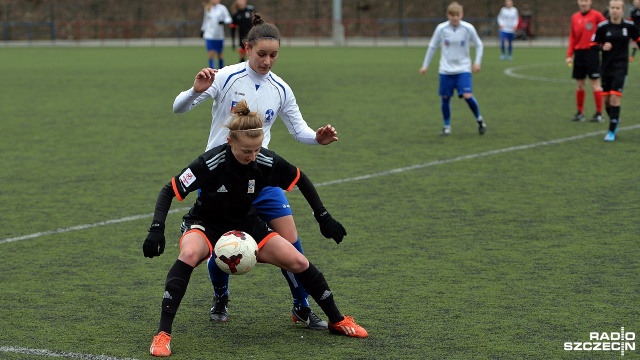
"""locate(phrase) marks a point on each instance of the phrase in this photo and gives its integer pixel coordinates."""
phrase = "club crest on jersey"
(446, 43)
(233, 106)
(588, 25)
(187, 178)
(251, 188)
(624, 32)
(269, 115)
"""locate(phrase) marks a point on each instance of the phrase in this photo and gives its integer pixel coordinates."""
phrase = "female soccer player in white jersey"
(508, 22)
(453, 37)
(216, 16)
(271, 97)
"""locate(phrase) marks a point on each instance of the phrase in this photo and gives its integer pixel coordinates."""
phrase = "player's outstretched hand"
(154, 243)
(475, 68)
(204, 79)
(326, 135)
(423, 70)
(330, 227)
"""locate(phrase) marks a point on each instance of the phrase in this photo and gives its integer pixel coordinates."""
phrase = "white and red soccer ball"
(235, 252)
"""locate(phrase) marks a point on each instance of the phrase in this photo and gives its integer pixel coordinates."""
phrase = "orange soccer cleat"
(348, 327)
(161, 345)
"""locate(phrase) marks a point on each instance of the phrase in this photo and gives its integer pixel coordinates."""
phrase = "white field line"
(62, 354)
(333, 182)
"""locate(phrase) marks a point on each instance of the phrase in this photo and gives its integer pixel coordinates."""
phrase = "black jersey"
(635, 16)
(243, 21)
(616, 59)
(228, 188)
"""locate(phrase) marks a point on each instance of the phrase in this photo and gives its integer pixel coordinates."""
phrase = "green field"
(502, 246)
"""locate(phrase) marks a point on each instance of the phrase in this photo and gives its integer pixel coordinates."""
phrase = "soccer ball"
(235, 252)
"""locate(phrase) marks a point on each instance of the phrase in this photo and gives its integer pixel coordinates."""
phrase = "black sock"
(614, 118)
(633, 52)
(316, 285)
(174, 289)
(608, 109)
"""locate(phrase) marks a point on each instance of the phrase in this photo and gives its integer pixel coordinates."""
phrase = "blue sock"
(446, 111)
(220, 63)
(211, 63)
(300, 295)
(473, 105)
(510, 47)
(219, 278)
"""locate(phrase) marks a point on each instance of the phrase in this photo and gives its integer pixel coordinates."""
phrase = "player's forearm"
(163, 204)
(309, 192)
(185, 101)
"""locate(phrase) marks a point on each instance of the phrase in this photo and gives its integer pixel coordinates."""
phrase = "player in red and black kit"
(585, 61)
(635, 17)
(612, 37)
(242, 15)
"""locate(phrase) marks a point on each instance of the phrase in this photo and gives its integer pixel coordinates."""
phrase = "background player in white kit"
(216, 16)
(270, 97)
(508, 23)
(453, 37)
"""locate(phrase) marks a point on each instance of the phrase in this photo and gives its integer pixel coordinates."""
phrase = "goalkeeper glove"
(154, 243)
(330, 227)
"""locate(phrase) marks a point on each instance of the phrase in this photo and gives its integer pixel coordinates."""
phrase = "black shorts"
(253, 226)
(613, 81)
(586, 63)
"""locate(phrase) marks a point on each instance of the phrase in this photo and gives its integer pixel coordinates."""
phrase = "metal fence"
(383, 28)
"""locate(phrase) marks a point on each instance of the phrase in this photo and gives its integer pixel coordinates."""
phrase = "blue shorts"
(506, 36)
(272, 204)
(214, 45)
(460, 82)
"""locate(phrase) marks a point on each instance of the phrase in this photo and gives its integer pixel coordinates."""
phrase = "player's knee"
(191, 255)
(298, 264)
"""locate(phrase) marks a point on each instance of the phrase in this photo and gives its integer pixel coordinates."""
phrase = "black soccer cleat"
(303, 316)
(482, 127)
(578, 117)
(597, 117)
(219, 312)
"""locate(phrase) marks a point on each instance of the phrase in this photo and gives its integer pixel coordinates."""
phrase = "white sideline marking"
(68, 355)
(332, 182)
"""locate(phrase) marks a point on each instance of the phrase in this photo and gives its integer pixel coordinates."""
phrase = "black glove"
(154, 243)
(330, 227)
(220, 22)
(201, 33)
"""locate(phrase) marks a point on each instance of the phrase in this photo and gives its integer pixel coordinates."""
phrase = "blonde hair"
(245, 122)
(454, 8)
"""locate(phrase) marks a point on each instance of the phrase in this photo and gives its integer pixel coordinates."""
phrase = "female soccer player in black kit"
(242, 15)
(612, 37)
(230, 177)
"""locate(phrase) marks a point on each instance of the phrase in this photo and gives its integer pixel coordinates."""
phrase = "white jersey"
(268, 95)
(211, 22)
(454, 41)
(508, 19)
